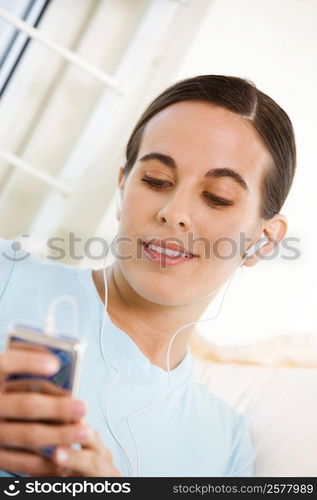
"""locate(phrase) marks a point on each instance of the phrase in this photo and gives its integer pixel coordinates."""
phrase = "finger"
(36, 406)
(16, 361)
(92, 440)
(66, 472)
(26, 463)
(86, 462)
(58, 472)
(35, 435)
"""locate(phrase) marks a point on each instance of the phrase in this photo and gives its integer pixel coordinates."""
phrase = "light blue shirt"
(191, 432)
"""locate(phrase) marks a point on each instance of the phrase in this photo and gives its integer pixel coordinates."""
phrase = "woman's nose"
(175, 212)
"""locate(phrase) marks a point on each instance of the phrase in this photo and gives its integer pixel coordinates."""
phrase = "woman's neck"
(150, 325)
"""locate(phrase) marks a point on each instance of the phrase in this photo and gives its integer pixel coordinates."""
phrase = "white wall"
(273, 43)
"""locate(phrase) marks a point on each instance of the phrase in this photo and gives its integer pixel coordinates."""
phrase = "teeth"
(168, 251)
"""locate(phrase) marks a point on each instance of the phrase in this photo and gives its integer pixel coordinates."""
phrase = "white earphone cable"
(49, 326)
(166, 392)
(114, 381)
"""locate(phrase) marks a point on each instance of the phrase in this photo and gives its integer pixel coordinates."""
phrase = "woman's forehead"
(207, 136)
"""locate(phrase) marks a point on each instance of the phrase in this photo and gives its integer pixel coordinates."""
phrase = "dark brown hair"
(242, 97)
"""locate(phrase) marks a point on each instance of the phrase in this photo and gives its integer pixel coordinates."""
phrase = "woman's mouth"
(165, 256)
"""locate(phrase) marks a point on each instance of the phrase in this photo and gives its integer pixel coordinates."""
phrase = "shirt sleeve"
(7, 263)
(8, 258)
(242, 459)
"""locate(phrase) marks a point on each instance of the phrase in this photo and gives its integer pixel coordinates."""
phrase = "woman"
(210, 161)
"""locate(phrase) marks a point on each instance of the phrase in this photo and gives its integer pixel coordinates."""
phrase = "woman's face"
(179, 146)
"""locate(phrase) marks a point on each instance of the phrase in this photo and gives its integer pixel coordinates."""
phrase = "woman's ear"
(121, 177)
(121, 181)
(274, 230)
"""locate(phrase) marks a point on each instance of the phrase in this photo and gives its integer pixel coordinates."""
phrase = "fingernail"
(78, 409)
(61, 456)
(82, 433)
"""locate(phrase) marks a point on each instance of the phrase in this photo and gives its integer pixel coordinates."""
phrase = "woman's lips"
(164, 259)
(169, 245)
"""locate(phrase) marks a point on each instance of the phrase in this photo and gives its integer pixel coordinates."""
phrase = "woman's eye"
(155, 183)
(216, 201)
(211, 199)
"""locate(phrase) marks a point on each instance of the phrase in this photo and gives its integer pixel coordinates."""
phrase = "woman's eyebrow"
(214, 172)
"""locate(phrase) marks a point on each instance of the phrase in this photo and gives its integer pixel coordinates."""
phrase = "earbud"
(259, 244)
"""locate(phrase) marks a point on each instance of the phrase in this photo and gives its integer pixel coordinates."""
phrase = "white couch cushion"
(278, 400)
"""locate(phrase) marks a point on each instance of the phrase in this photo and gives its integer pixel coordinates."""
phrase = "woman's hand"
(93, 460)
(30, 420)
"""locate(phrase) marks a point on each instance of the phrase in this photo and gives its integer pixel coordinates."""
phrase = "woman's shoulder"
(20, 268)
(29, 284)
(234, 427)
(217, 405)
(6, 263)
